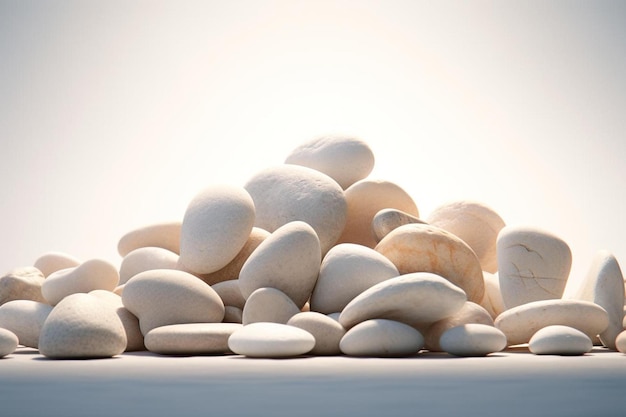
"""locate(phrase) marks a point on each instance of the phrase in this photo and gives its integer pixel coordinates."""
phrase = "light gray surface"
(512, 383)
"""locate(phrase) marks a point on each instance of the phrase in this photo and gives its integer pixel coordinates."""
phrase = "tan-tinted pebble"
(268, 305)
(22, 284)
(271, 340)
(492, 299)
(327, 332)
(474, 223)
(134, 338)
(24, 318)
(418, 299)
(55, 261)
(232, 314)
(469, 313)
(424, 248)
(8, 342)
(559, 340)
(367, 197)
(94, 274)
(191, 338)
(145, 259)
(620, 342)
(119, 289)
(472, 339)
(521, 322)
(164, 296)
(82, 326)
(389, 219)
(164, 235)
(346, 271)
(230, 293)
(381, 338)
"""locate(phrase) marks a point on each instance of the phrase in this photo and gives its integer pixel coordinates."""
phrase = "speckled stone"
(134, 338)
(381, 338)
(22, 284)
(24, 318)
(164, 235)
(191, 338)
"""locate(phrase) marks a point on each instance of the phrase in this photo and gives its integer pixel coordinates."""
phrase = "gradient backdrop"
(114, 114)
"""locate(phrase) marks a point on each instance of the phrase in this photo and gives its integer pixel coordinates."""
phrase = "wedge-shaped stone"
(25, 318)
(472, 339)
(268, 305)
(389, 219)
(381, 338)
(327, 331)
(271, 340)
(191, 338)
(559, 340)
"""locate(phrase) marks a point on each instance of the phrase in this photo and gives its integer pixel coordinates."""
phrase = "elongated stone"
(55, 261)
(164, 235)
(472, 339)
(191, 338)
(559, 340)
(381, 338)
(271, 340)
(145, 259)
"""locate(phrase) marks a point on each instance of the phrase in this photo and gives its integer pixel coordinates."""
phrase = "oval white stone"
(145, 259)
(8, 342)
(326, 331)
(164, 235)
(469, 313)
(24, 318)
(472, 339)
(559, 340)
(191, 338)
(268, 305)
(381, 338)
(55, 261)
(271, 340)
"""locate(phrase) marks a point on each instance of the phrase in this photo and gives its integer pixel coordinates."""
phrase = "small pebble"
(472, 339)
(271, 340)
(559, 340)
(8, 342)
(381, 338)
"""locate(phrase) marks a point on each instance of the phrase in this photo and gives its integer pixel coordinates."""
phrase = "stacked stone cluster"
(312, 257)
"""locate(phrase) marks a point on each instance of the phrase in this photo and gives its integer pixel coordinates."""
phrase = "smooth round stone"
(559, 340)
(287, 193)
(521, 322)
(425, 248)
(163, 296)
(417, 299)
(55, 261)
(367, 197)
(326, 331)
(288, 260)
(345, 159)
(233, 269)
(216, 226)
(472, 339)
(474, 223)
(603, 285)
(469, 313)
(492, 299)
(346, 271)
(191, 338)
(145, 259)
(389, 219)
(268, 305)
(230, 293)
(22, 284)
(164, 235)
(94, 274)
(381, 338)
(270, 340)
(8, 342)
(82, 326)
(134, 338)
(620, 342)
(533, 265)
(232, 315)
(24, 318)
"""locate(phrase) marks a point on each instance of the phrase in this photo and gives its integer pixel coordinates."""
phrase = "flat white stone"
(346, 271)
(163, 296)
(164, 235)
(268, 305)
(326, 331)
(389, 219)
(364, 199)
(191, 338)
(492, 299)
(345, 159)
(559, 340)
(230, 293)
(22, 284)
(24, 318)
(533, 265)
(472, 339)
(424, 248)
(82, 326)
(216, 226)
(271, 340)
(287, 193)
(469, 313)
(145, 259)
(8, 342)
(134, 338)
(288, 260)
(521, 322)
(55, 261)
(381, 338)
(94, 274)
(474, 223)
(603, 285)
(620, 342)
(418, 299)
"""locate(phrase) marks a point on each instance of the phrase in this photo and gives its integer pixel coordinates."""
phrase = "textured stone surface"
(345, 159)
(389, 219)
(559, 340)
(474, 223)
(271, 340)
(288, 260)
(134, 338)
(268, 305)
(469, 313)
(164, 235)
(24, 318)
(8, 342)
(287, 193)
(472, 339)
(82, 326)
(418, 299)
(326, 331)
(425, 248)
(521, 322)
(162, 296)
(533, 265)
(191, 338)
(381, 338)
(145, 259)
(55, 261)
(364, 199)
(22, 284)
(346, 271)
(216, 226)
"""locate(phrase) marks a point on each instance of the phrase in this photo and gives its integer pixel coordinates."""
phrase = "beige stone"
(268, 305)
(472, 339)
(24, 318)
(381, 338)
(389, 219)
(271, 340)
(559, 340)
(230, 293)
(469, 313)
(620, 342)
(191, 338)
(232, 315)
(327, 332)
(22, 284)
(145, 259)
(492, 299)
(134, 338)
(164, 235)
(8, 342)
(55, 261)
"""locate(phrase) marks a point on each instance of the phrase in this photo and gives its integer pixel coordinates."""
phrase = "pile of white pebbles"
(312, 257)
